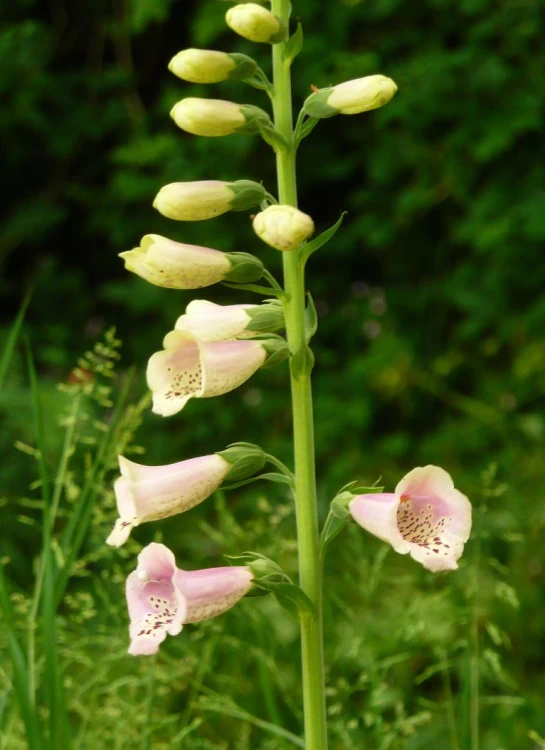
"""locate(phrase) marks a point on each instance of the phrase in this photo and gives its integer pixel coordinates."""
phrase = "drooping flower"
(217, 117)
(175, 265)
(150, 493)
(426, 517)
(256, 23)
(210, 66)
(161, 598)
(283, 227)
(189, 368)
(351, 97)
(209, 322)
(205, 199)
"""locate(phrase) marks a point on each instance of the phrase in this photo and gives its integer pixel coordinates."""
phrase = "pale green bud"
(351, 97)
(216, 117)
(196, 201)
(256, 23)
(245, 459)
(283, 227)
(209, 66)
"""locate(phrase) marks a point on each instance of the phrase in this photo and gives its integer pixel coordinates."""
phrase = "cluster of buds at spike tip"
(256, 23)
(210, 66)
(209, 322)
(162, 598)
(175, 265)
(216, 117)
(425, 517)
(189, 368)
(197, 201)
(351, 97)
(283, 227)
(151, 493)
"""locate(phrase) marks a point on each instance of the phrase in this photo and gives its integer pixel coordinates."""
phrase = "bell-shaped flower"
(351, 97)
(210, 66)
(150, 493)
(256, 23)
(205, 199)
(189, 368)
(209, 322)
(283, 227)
(174, 265)
(425, 517)
(161, 598)
(216, 117)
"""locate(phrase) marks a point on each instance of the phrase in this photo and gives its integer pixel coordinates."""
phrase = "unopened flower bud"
(283, 227)
(215, 117)
(256, 23)
(196, 201)
(351, 97)
(209, 66)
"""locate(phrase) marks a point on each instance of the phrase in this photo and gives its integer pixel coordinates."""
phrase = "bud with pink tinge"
(197, 201)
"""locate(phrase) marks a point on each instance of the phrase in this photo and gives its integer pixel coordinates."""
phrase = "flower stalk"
(310, 574)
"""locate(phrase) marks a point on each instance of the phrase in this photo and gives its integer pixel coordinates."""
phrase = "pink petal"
(377, 513)
(228, 364)
(212, 591)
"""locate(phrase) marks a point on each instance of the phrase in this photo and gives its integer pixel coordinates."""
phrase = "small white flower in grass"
(161, 598)
(150, 493)
(425, 517)
(189, 368)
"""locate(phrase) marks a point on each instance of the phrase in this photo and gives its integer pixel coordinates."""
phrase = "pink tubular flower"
(149, 493)
(426, 517)
(190, 368)
(161, 597)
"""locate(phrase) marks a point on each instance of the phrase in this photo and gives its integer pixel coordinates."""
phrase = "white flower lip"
(426, 517)
(209, 322)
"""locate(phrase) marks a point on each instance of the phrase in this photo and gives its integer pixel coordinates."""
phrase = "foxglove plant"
(213, 349)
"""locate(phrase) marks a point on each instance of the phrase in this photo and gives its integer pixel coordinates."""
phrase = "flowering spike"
(209, 66)
(256, 23)
(150, 493)
(189, 368)
(197, 201)
(351, 97)
(216, 117)
(426, 517)
(283, 227)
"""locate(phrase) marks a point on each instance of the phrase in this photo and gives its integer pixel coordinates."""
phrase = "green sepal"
(247, 194)
(269, 476)
(245, 267)
(267, 317)
(271, 135)
(281, 35)
(322, 238)
(294, 45)
(316, 105)
(245, 459)
(256, 119)
(305, 129)
(277, 349)
(302, 361)
(245, 67)
(311, 319)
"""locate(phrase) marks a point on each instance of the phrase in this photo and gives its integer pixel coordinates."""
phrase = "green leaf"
(15, 330)
(294, 45)
(291, 597)
(311, 319)
(317, 243)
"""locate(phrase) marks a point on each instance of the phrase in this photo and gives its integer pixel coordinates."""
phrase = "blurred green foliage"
(430, 350)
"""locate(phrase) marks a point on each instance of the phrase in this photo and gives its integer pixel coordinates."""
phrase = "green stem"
(310, 574)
